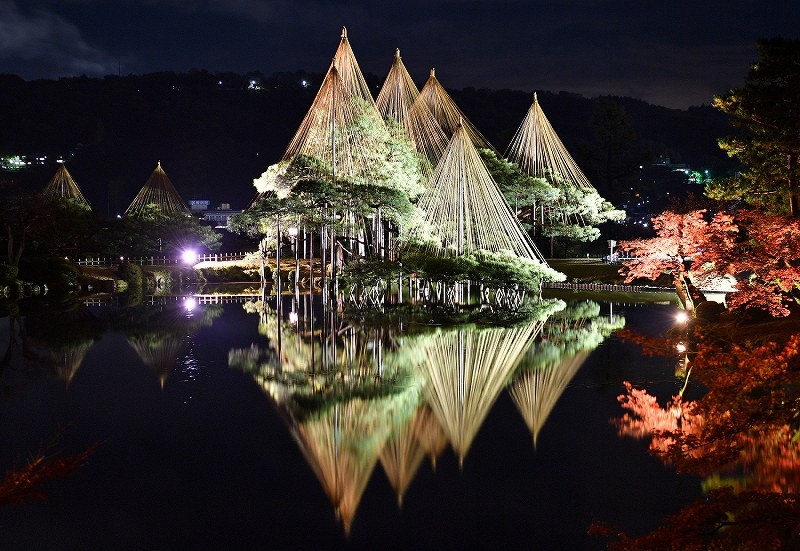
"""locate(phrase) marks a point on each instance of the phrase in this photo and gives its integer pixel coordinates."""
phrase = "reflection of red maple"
(18, 486)
(725, 520)
(747, 425)
(753, 395)
(646, 418)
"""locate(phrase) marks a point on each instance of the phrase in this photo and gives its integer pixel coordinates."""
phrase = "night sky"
(676, 53)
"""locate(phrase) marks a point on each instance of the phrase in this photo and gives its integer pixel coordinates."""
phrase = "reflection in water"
(159, 333)
(406, 448)
(398, 384)
(567, 340)
(464, 371)
(62, 339)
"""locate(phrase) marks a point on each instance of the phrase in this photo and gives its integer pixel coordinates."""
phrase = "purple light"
(189, 256)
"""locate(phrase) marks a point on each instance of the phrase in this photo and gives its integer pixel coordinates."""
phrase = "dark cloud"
(39, 42)
(674, 53)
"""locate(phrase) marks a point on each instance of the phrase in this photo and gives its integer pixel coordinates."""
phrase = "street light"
(189, 256)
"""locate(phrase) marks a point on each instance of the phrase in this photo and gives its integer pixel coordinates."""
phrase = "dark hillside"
(214, 133)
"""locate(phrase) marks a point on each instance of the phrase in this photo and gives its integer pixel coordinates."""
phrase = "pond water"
(241, 425)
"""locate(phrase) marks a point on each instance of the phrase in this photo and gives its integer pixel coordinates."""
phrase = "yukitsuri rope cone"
(464, 372)
(329, 131)
(397, 100)
(447, 113)
(62, 187)
(466, 210)
(353, 78)
(159, 191)
(538, 150)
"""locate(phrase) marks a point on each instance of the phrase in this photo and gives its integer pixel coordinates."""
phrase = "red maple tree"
(761, 250)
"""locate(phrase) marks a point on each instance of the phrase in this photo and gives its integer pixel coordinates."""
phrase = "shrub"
(8, 273)
(131, 273)
(226, 274)
(495, 269)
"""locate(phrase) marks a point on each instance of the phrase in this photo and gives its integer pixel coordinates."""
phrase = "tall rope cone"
(447, 113)
(397, 100)
(466, 209)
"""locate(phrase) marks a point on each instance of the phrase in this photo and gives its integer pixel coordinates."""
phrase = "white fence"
(158, 260)
(607, 287)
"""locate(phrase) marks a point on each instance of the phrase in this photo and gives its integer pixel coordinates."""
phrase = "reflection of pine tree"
(567, 340)
(351, 389)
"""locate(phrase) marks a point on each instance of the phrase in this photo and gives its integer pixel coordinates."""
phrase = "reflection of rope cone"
(69, 360)
(465, 370)
(536, 392)
(342, 447)
(430, 434)
(568, 339)
(158, 352)
(402, 455)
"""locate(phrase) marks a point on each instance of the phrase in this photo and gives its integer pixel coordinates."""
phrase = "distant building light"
(199, 205)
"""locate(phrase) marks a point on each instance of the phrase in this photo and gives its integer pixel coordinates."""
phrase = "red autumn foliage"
(753, 398)
(761, 250)
(679, 237)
